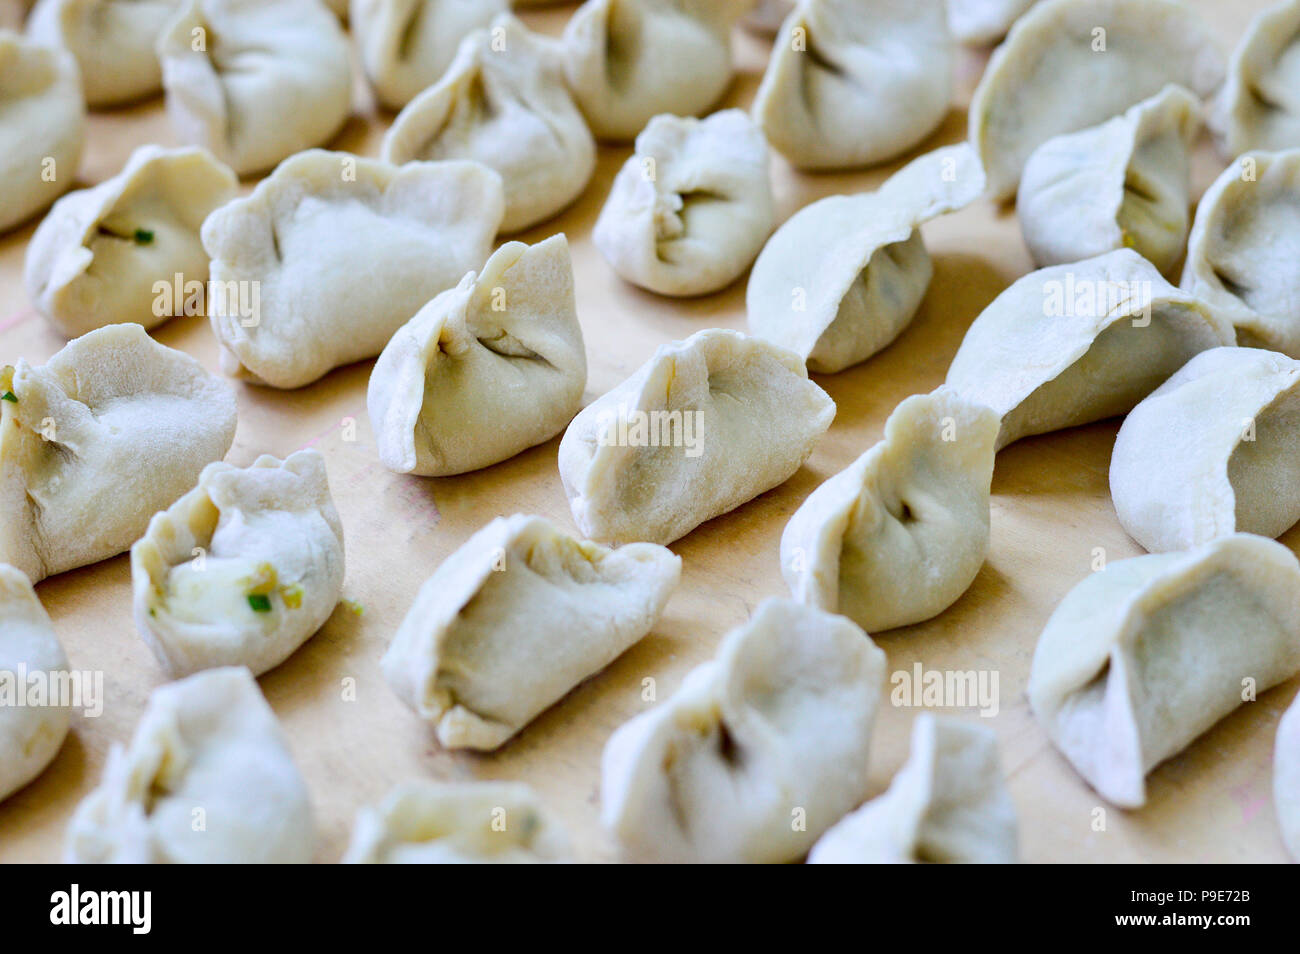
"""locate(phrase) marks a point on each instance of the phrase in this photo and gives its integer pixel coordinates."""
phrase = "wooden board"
(1051, 511)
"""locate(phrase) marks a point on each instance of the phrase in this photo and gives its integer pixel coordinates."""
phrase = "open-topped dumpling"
(342, 252)
(1071, 64)
(93, 443)
(96, 258)
(980, 22)
(704, 426)
(947, 805)
(207, 779)
(1259, 105)
(844, 276)
(243, 569)
(856, 82)
(1286, 778)
(1073, 344)
(900, 534)
(691, 208)
(516, 618)
(760, 751)
(1123, 184)
(458, 823)
(1144, 656)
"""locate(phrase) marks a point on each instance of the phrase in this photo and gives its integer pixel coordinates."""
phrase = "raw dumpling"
(760, 750)
(207, 779)
(704, 426)
(488, 369)
(767, 15)
(42, 125)
(30, 735)
(342, 251)
(1243, 257)
(108, 432)
(1144, 656)
(1259, 105)
(429, 823)
(900, 534)
(516, 618)
(253, 81)
(947, 805)
(113, 41)
(1073, 344)
(1071, 64)
(1213, 451)
(690, 210)
(856, 82)
(243, 569)
(980, 22)
(1286, 778)
(843, 277)
(1123, 184)
(503, 103)
(99, 255)
(627, 61)
(406, 45)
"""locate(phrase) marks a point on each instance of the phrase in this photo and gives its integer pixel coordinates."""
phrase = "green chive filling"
(260, 602)
(9, 396)
(143, 236)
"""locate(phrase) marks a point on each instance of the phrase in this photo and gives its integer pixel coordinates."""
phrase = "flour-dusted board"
(353, 739)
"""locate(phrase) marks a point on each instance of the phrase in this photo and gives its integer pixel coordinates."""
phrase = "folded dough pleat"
(1286, 778)
(1259, 104)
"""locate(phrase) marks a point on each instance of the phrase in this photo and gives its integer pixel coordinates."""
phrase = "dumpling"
(980, 22)
(1243, 256)
(900, 534)
(842, 278)
(760, 751)
(406, 45)
(516, 618)
(93, 443)
(691, 208)
(856, 82)
(1071, 64)
(30, 735)
(430, 823)
(484, 371)
(627, 61)
(704, 426)
(1212, 451)
(947, 805)
(341, 252)
(1141, 658)
(503, 103)
(255, 82)
(767, 15)
(113, 41)
(42, 125)
(1073, 344)
(1259, 105)
(1286, 778)
(243, 569)
(1123, 184)
(207, 779)
(100, 254)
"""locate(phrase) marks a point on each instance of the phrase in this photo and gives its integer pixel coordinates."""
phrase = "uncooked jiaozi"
(30, 735)
(206, 748)
(431, 823)
(981, 22)
(1286, 778)
(1071, 64)
(1142, 657)
(516, 618)
(97, 440)
(842, 278)
(98, 257)
(254, 82)
(900, 534)
(947, 805)
(1259, 104)
(760, 751)
(42, 125)
(704, 426)
(243, 569)
(856, 82)
(1073, 344)
(691, 208)
(341, 252)
(1243, 256)
(1123, 184)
